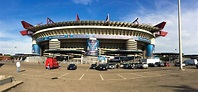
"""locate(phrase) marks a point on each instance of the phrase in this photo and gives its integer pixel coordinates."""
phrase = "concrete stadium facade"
(94, 38)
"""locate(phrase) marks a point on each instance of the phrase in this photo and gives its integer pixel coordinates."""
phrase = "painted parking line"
(153, 74)
(137, 75)
(101, 77)
(63, 75)
(87, 69)
(121, 76)
(81, 77)
(45, 74)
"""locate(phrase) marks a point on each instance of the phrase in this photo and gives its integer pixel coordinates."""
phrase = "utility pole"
(179, 31)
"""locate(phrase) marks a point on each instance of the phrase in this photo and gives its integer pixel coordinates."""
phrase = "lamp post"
(179, 31)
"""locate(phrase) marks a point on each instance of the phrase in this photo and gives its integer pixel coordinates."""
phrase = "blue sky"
(148, 12)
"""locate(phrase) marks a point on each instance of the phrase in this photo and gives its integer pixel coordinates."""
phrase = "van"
(191, 62)
(51, 63)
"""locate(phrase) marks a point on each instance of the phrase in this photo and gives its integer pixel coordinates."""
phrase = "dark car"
(159, 64)
(177, 64)
(197, 65)
(71, 67)
(152, 65)
(189, 62)
(128, 66)
(102, 67)
(93, 66)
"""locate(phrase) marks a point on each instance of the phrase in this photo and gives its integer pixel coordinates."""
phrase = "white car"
(144, 65)
(111, 66)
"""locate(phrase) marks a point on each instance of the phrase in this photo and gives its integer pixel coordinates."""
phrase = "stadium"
(92, 40)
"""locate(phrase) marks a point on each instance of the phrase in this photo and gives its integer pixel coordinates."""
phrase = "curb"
(8, 83)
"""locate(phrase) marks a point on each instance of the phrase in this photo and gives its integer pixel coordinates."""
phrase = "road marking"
(24, 74)
(63, 75)
(137, 75)
(101, 77)
(81, 77)
(153, 74)
(87, 69)
(121, 76)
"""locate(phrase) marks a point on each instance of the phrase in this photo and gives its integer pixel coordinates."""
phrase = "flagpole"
(179, 31)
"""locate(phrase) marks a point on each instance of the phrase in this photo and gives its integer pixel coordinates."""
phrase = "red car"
(51, 63)
(166, 64)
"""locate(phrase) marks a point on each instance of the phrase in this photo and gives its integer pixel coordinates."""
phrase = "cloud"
(11, 40)
(170, 42)
(84, 2)
(16, 46)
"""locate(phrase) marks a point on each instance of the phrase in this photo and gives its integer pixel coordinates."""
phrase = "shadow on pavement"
(22, 71)
(54, 78)
(182, 88)
(1, 64)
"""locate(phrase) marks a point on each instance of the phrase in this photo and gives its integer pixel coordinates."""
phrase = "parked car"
(152, 65)
(166, 64)
(128, 66)
(159, 64)
(93, 66)
(197, 65)
(138, 65)
(102, 67)
(144, 65)
(177, 64)
(190, 62)
(111, 66)
(71, 67)
(51, 63)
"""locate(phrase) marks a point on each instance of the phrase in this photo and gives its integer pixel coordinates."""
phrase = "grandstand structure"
(93, 38)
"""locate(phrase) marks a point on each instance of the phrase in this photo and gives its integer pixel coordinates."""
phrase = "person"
(18, 66)
(117, 66)
(48, 66)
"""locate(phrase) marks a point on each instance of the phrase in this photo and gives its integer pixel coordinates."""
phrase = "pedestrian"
(18, 66)
(48, 66)
(117, 66)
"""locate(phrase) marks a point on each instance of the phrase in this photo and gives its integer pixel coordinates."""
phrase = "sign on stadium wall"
(73, 36)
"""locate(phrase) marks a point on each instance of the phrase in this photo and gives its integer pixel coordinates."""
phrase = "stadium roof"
(93, 23)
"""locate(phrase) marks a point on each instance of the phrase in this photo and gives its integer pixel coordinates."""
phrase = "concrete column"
(54, 44)
(149, 50)
(81, 60)
(35, 47)
(131, 44)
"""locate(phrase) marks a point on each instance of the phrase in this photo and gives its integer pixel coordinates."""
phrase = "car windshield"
(72, 65)
(93, 64)
(101, 65)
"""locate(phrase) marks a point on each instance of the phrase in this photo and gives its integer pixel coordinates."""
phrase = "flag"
(24, 32)
(26, 25)
(49, 21)
(107, 18)
(77, 17)
(136, 21)
(161, 25)
(163, 33)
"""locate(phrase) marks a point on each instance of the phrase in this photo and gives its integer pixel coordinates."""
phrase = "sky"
(148, 11)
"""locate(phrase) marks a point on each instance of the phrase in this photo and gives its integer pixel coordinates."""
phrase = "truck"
(51, 63)
(151, 62)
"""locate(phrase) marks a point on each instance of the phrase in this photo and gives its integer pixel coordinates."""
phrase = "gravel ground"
(155, 79)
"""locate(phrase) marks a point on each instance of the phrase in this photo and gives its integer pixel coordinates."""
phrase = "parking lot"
(154, 79)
